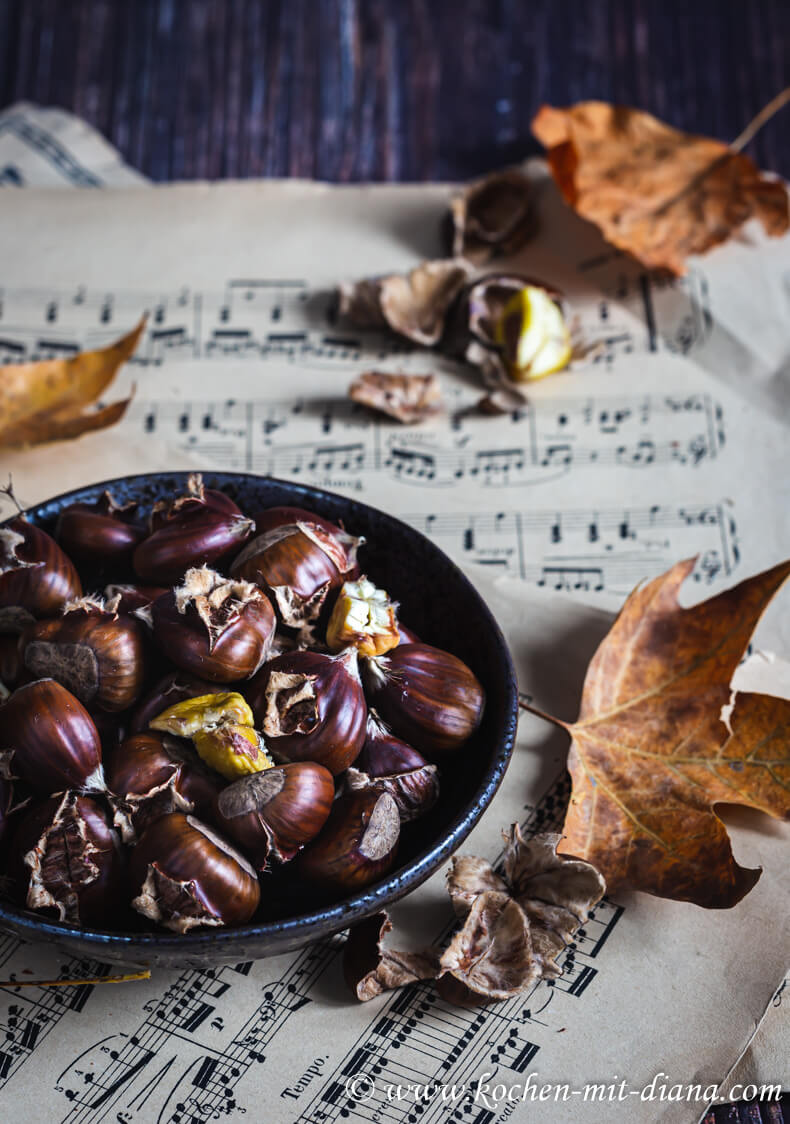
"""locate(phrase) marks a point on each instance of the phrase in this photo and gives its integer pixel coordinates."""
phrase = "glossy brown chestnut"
(184, 876)
(297, 558)
(197, 529)
(428, 697)
(357, 845)
(128, 598)
(36, 577)
(6, 804)
(311, 707)
(67, 859)
(274, 813)
(97, 654)
(214, 628)
(103, 531)
(390, 764)
(172, 688)
(50, 740)
(11, 670)
(150, 775)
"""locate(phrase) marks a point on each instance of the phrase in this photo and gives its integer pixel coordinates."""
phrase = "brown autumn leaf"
(49, 400)
(657, 744)
(654, 191)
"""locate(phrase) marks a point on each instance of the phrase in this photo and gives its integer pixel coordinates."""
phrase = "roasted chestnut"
(49, 739)
(102, 531)
(311, 707)
(11, 670)
(172, 688)
(297, 558)
(428, 697)
(92, 650)
(213, 627)
(129, 598)
(222, 731)
(197, 529)
(363, 617)
(150, 775)
(184, 876)
(388, 763)
(357, 845)
(68, 859)
(276, 812)
(36, 577)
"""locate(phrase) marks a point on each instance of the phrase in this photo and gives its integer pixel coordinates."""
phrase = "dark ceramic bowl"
(442, 606)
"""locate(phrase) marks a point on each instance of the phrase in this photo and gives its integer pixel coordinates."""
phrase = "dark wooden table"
(385, 89)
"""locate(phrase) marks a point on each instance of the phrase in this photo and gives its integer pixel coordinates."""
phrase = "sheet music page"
(672, 443)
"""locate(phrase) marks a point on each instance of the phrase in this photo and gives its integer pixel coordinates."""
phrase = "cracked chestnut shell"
(357, 845)
(150, 775)
(390, 764)
(274, 813)
(197, 529)
(427, 696)
(311, 707)
(49, 739)
(213, 627)
(95, 653)
(103, 531)
(36, 577)
(297, 558)
(67, 859)
(184, 876)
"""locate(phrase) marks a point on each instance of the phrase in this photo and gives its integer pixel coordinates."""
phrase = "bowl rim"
(323, 921)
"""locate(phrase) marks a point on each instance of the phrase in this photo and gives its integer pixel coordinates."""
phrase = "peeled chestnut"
(297, 558)
(357, 845)
(311, 707)
(172, 688)
(197, 529)
(150, 775)
(185, 876)
(390, 764)
(68, 859)
(49, 739)
(214, 627)
(96, 653)
(428, 697)
(276, 812)
(102, 531)
(36, 577)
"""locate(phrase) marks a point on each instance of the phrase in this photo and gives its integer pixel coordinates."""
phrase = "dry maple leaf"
(657, 744)
(47, 400)
(654, 191)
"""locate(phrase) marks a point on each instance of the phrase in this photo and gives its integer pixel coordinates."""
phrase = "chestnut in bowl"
(443, 608)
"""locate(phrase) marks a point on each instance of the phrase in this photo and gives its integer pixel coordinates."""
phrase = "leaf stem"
(756, 123)
(524, 705)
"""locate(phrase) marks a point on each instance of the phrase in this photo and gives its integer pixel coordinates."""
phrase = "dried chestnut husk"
(357, 845)
(49, 739)
(297, 558)
(184, 876)
(273, 814)
(92, 650)
(150, 775)
(68, 859)
(493, 216)
(222, 731)
(214, 627)
(102, 531)
(428, 697)
(36, 577)
(390, 764)
(414, 304)
(197, 529)
(171, 688)
(363, 617)
(311, 707)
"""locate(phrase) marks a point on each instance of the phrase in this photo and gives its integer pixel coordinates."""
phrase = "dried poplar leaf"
(407, 398)
(654, 191)
(48, 400)
(492, 216)
(491, 955)
(370, 968)
(651, 754)
(414, 305)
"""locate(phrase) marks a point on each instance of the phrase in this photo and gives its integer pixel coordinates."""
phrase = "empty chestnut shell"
(184, 876)
(357, 845)
(276, 812)
(50, 740)
(68, 859)
(103, 531)
(428, 697)
(390, 764)
(97, 654)
(36, 577)
(311, 707)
